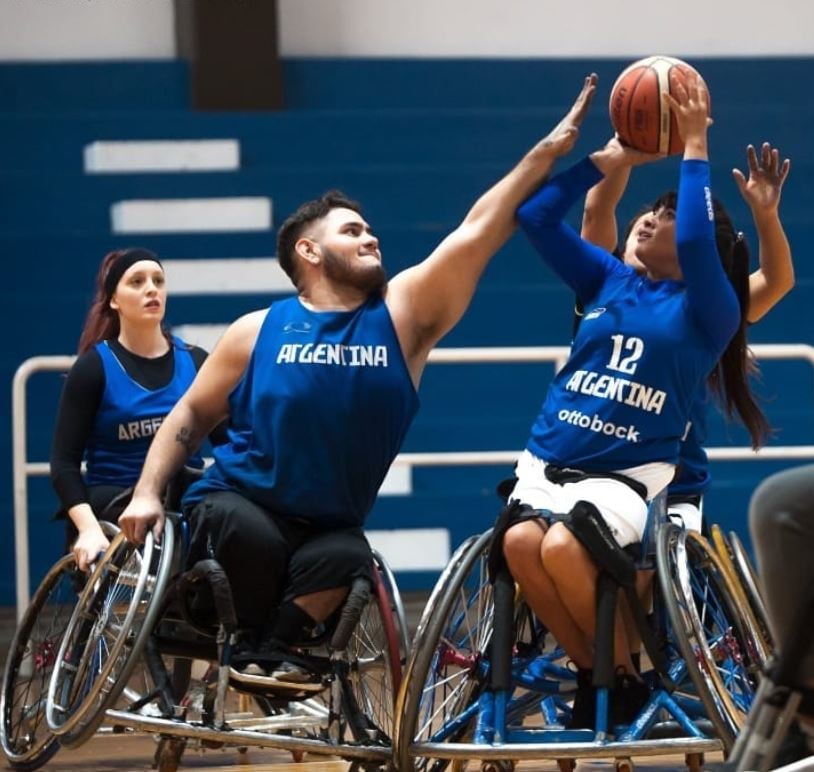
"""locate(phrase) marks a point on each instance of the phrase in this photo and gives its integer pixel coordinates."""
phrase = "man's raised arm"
(427, 300)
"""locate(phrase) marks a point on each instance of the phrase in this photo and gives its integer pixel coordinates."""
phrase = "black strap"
(651, 644)
(513, 513)
(561, 475)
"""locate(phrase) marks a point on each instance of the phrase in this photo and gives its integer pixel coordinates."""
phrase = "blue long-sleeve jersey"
(644, 347)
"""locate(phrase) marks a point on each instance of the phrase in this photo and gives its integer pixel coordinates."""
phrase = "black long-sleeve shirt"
(80, 401)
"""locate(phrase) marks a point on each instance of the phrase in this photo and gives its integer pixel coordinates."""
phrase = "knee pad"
(585, 521)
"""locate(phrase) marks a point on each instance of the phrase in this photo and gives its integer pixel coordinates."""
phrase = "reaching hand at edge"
(767, 174)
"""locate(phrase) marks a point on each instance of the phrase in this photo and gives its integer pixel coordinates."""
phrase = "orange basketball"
(639, 109)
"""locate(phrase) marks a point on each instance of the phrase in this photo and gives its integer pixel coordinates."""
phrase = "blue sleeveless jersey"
(128, 417)
(318, 416)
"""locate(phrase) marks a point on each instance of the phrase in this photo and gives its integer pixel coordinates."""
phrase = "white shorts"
(690, 515)
(624, 510)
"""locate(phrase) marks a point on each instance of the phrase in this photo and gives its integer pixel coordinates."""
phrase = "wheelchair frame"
(449, 708)
(92, 669)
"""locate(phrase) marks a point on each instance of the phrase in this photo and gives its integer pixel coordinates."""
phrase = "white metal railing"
(557, 355)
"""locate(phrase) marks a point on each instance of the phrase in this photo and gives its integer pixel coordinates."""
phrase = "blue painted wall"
(416, 142)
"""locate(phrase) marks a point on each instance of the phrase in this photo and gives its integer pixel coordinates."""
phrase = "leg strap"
(512, 514)
(585, 521)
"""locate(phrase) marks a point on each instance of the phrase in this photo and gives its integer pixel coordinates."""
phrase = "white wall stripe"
(227, 276)
(187, 215)
(109, 157)
(412, 549)
(203, 335)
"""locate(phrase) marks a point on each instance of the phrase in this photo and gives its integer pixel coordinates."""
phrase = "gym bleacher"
(416, 141)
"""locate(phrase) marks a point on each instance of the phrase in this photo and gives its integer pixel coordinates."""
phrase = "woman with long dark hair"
(607, 438)
(129, 374)
(774, 277)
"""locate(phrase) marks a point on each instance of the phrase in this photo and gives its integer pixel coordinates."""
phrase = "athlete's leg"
(781, 519)
(522, 546)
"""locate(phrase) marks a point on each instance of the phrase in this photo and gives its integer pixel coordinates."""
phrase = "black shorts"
(270, 559)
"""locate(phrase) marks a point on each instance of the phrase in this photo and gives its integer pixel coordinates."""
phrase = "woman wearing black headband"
(129, 374)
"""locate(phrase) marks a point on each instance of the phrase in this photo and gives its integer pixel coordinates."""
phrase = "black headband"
(127, 258)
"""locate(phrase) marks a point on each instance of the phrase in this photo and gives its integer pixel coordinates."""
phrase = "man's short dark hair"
(294, 226)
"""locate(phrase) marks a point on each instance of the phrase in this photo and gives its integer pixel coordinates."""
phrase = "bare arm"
(205, 403)
(599, 215)
(427, 300)
(761, 191)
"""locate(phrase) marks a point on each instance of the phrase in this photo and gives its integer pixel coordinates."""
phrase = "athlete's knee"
(522, 543)
(561, 551)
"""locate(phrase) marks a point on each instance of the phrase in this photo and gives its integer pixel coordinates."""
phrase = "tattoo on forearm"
(185, 437)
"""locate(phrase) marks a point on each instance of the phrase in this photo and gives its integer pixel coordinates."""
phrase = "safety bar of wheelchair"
(165, 726)
(556, 750)
(557, 355)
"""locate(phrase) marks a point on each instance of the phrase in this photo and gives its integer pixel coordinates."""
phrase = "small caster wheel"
(624, 765)
(695, 762)
(567, 765)
(168, 754)
(501, 765)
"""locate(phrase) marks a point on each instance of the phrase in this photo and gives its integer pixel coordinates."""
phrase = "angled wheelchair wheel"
(707, 626)
(374, 654)
(26, 739)
(759, 633)
(751, 584)
(106, 634)
(444, 674)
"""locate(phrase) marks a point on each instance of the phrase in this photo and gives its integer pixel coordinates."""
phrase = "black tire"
(707, 627)
(26, 739)
(751, 584)
(442, 676)
(108, 630)
(373, 654)
(723, 549)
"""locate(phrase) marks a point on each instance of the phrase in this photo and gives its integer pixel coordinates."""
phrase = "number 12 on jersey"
(626, 353)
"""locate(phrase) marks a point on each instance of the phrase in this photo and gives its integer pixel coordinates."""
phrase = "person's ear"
(308, 249)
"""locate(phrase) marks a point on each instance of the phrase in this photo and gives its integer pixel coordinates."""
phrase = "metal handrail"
(557, 355)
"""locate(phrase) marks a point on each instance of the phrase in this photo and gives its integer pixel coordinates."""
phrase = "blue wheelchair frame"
(494, 719)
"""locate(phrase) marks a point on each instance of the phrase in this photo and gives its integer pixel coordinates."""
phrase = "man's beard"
(365, 277)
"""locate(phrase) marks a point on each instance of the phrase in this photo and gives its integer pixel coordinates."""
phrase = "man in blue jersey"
(320, 390)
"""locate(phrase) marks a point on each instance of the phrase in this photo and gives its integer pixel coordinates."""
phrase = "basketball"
(639, 109)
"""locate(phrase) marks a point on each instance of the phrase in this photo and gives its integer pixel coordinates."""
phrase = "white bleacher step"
(142, 157)
(227, 276)
(191, 215)
(412, 549)
(203, 335)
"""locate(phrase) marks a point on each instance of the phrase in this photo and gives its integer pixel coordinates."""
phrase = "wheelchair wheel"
(373, 654)
(751, 585)
(762, 641)
(707, 626)
(444, 673)
(26, 739)
(106, 633)
(396, 606)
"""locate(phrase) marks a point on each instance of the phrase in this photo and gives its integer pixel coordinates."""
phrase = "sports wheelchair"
(485, 681)
(134, 612)
(24, 735)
